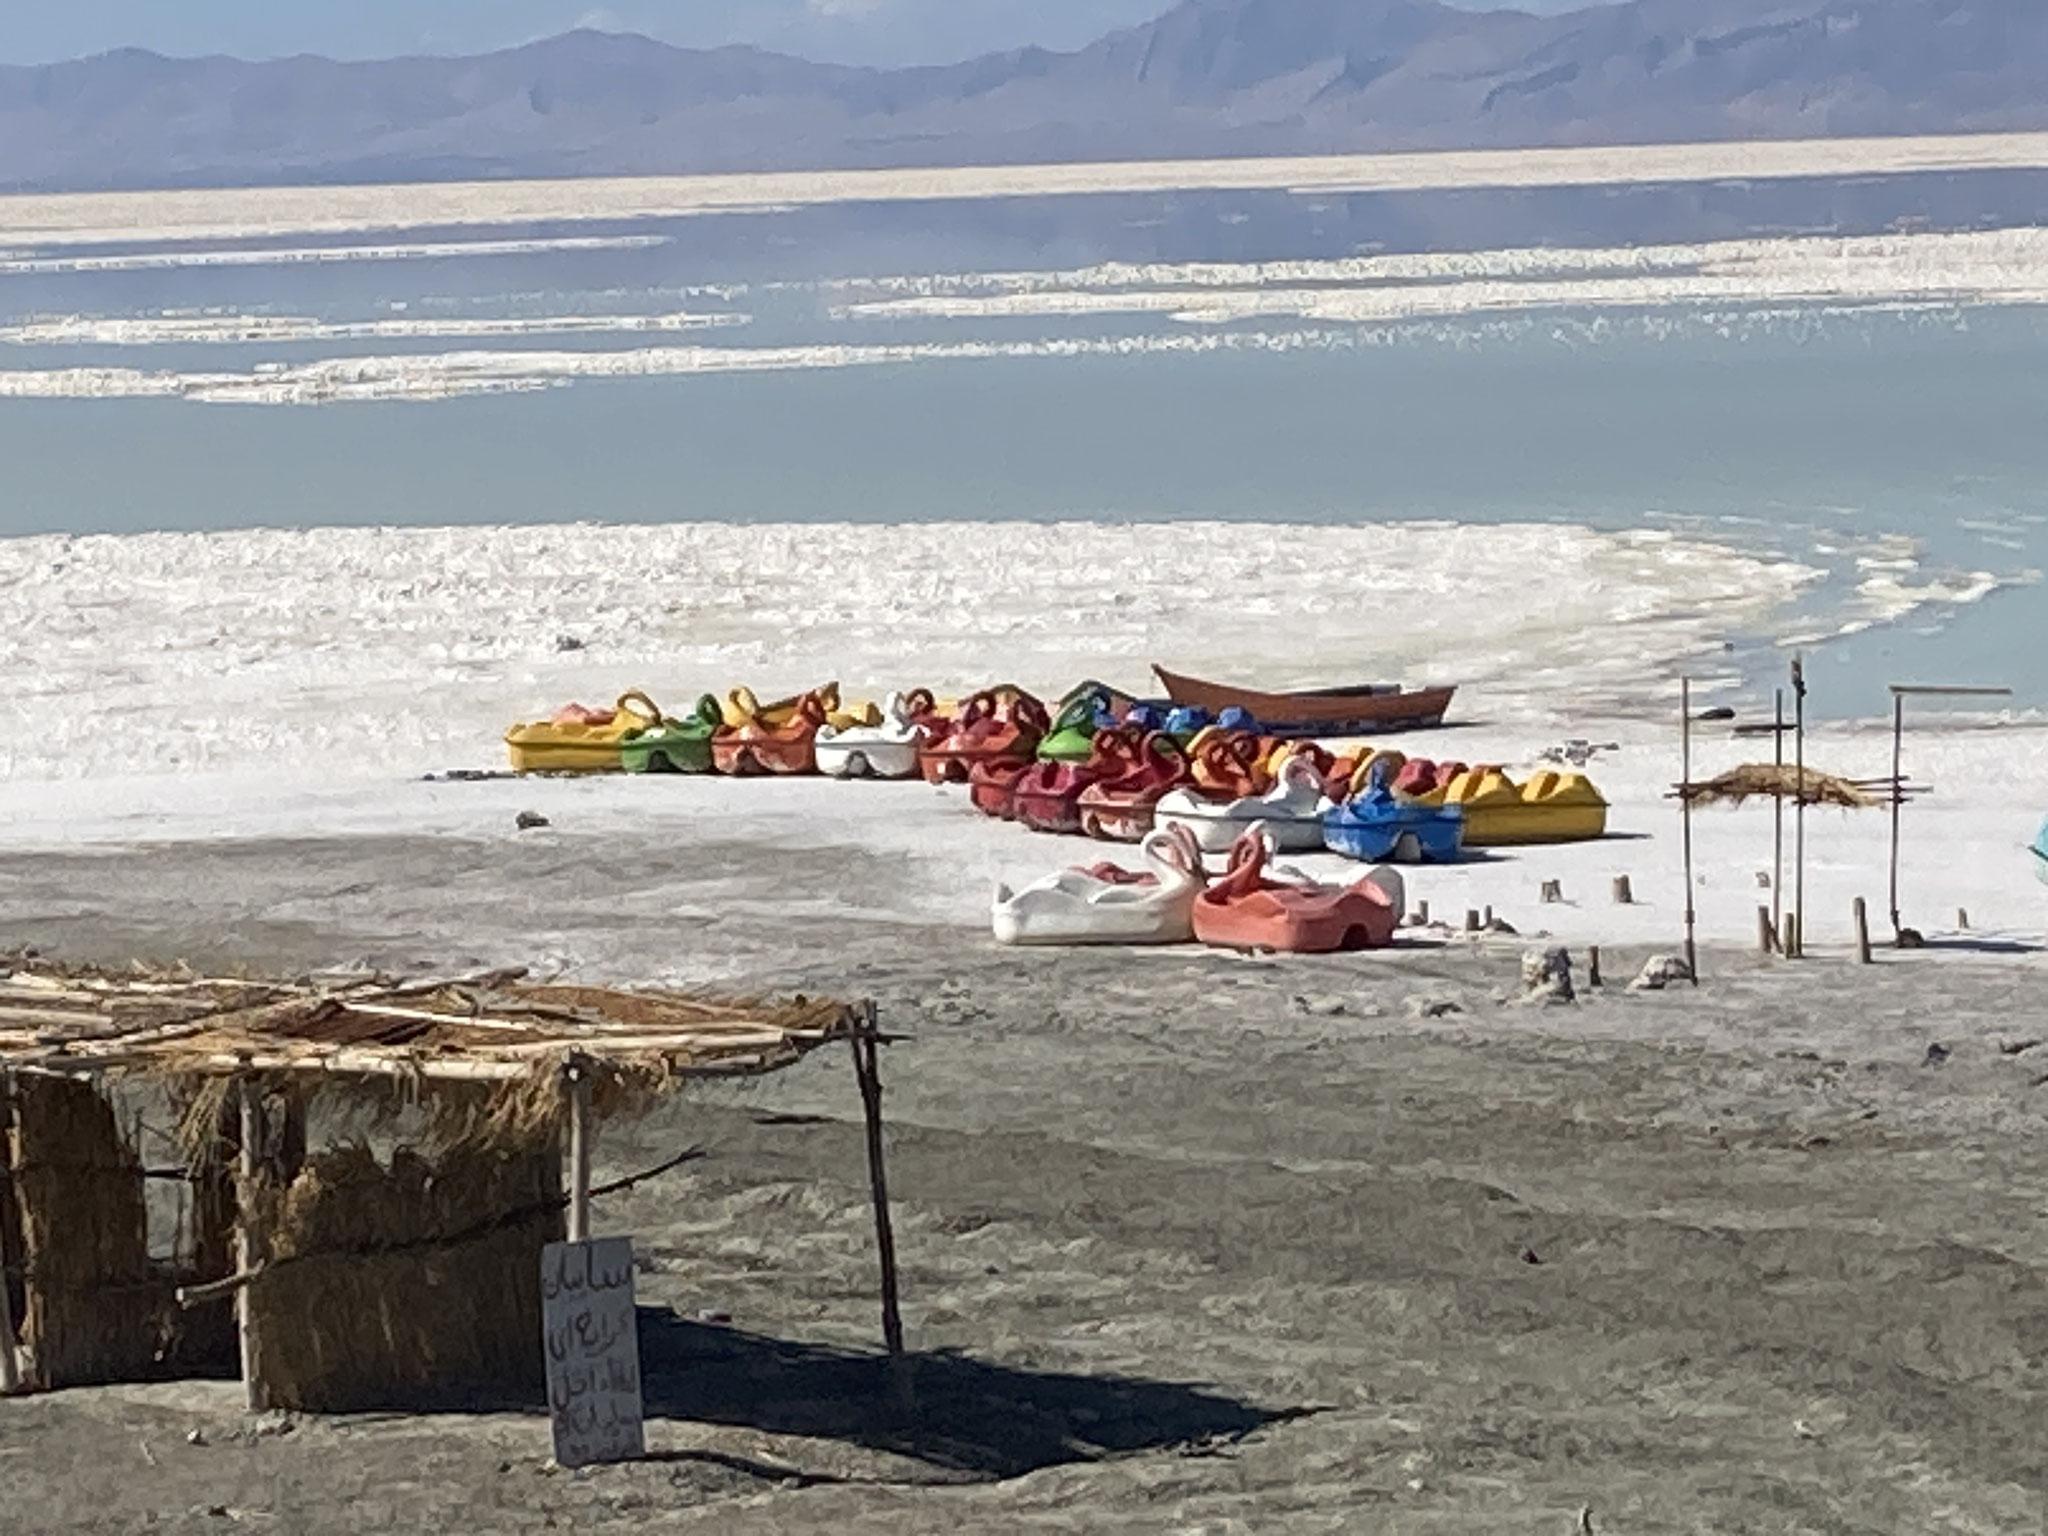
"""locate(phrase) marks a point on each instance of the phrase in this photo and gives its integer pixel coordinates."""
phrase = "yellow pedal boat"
(1550, 806)
(579, 740)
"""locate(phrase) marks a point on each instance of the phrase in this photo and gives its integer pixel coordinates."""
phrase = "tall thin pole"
(1898, 796)
(1778, 815)
(248, 1239)
(579, 1152)
(867, 1068)
(1692, 966)
(1799, 807)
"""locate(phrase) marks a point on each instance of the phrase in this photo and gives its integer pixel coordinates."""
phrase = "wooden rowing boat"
(1322, 712)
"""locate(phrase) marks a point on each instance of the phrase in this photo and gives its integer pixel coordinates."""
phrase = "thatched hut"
(351, 1279)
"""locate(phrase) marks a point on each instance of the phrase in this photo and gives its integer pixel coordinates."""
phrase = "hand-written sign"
(590, 1334)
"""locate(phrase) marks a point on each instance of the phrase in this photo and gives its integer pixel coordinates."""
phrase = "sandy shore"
(1191, 1241)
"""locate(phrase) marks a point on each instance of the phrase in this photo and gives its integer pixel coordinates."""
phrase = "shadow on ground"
(970, 1416)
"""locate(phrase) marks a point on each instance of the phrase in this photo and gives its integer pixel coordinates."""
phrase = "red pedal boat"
(1049, 795)
(1246, 910)
(1119, 810)
(992, 785)
(998, 722)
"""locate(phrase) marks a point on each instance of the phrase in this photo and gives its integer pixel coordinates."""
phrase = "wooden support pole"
(1471, 920)
(1624, 892)
(10, 1359)
(1962, 919)
(1788, 936)
(1766, 931)
(1422, 914)
(1798, 948)
(1593, 966)
(1898, 799)
(1862, 917)
(1692, 962)
(249, 1237)
(1778, 814)
(577, 1077)
(867, 1070)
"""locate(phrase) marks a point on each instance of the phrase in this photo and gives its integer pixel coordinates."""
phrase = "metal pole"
(1692, 967)
(1778, 815)
(579, 1152)
(248, 1240)
(1799, 808)
(1898, 796)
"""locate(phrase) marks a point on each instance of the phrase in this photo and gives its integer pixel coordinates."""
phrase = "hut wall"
(403, 1285)
(93, 1307)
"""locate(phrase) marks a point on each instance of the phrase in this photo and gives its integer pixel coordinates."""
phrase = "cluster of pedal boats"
(1103, 764)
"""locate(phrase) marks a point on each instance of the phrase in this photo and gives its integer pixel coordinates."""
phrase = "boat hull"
(1331, 712)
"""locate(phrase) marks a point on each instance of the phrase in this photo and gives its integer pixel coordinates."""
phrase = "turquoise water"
(1813, 437)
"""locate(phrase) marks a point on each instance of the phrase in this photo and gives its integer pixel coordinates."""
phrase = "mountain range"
(1209, 77)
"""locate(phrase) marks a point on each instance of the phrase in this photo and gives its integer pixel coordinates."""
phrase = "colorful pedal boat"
(1001, 722)
(758, 747)
(1550, 806)
(1246, 910)
(742, 708)
(992, 785)
(673, 745)
(1291, 811)
(579, 740)
(1084, 711)
(1048, 797)
(1228, 763)
(886, 749)
(1378, 826)
(1108, 904)
(1120, 809)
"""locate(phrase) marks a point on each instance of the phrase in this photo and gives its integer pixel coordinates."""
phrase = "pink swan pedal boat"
(1244, 909)
(1292, 810)
(1119, 809)
(1107, 904)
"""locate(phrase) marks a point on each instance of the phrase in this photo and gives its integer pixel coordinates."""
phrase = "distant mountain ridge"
(1210, 77)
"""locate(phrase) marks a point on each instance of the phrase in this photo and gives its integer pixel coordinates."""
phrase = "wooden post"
(1487, 921)
(1593, 965)
(1898, 797)
(1799, 809)
(867, 1069)
(1766, 933)
(1422, 913)
(10, 1360)
(577, 1076)
(1962, 919)
(1624, 892)
(1471, 920)
(1862, 917)
(1778, 813)
(1692, 966)
(1553, 892)
(1788, 936)
(249, 1238)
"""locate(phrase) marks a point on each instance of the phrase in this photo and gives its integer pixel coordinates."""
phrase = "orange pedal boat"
(1246, 910)
(766, 744)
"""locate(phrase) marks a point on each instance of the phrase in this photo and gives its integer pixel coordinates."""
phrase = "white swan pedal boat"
(1292, 811)
(884, 751)
(1108, 904)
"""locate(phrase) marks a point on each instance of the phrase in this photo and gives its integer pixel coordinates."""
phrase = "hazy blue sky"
(861, 31)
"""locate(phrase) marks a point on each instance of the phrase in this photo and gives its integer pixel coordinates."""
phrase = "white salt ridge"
(312, 255)
(331, 652)
(1982, 267)
(159, 330)
(449, 375)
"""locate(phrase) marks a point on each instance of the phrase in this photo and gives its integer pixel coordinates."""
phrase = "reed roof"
(496, 1028)
(1772, 781)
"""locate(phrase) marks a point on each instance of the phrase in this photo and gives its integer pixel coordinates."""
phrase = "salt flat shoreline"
(1359, 1230)
(47, 219)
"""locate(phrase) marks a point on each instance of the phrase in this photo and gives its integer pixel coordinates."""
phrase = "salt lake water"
(1893, 444)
